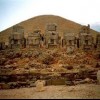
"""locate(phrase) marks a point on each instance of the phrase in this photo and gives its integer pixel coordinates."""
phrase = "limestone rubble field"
(75, 70)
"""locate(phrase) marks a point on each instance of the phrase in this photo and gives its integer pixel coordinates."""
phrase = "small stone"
(87, 80)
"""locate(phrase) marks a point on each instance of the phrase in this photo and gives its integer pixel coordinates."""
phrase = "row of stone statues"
(51, 37)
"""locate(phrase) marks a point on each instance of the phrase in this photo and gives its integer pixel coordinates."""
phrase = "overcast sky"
(80, 11)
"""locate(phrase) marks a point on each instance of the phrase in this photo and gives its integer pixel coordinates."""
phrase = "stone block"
(98, 76)
(40, 85)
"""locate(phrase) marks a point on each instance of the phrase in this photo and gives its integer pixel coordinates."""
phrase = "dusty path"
(79, 91)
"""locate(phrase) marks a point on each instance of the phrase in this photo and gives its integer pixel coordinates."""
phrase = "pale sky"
(80, 11)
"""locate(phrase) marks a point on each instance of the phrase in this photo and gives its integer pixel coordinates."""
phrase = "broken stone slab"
(69, 83)
(83, 81)
(88, 80)
(98, 76)
(4, 86)
(31, 83)
(69, 67)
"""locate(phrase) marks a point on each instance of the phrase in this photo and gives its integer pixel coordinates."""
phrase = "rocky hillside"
(40, 22)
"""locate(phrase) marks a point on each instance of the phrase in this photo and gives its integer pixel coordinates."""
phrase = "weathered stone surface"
(69, 67)
(97, 56)
(82, 66)
(87, 80)
(45, 62)
(48, 60)
(4, 86)
(2, 61)
(70, 83)
(83, 81)
(70, 50)
(98, 76)
(40, 85)
(97, 65)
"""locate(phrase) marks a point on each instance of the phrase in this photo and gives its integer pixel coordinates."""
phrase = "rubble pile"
(21, 68)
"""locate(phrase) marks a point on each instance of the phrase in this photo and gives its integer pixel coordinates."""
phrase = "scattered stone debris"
(18, 66)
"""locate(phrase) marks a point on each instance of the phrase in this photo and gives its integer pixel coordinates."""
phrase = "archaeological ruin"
(16, 38)
(51, 38)
(67, 59)
(51, 35)
(86, 39)
(34, 39)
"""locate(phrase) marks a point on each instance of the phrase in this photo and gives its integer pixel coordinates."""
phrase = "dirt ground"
(82, 91)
